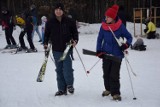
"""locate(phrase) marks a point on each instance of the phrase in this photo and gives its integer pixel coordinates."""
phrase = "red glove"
(100, 54)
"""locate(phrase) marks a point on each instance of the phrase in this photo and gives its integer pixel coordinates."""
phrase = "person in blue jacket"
(107, 44)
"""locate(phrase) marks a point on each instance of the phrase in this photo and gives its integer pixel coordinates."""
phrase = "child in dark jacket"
(107, 44)
(61, 30)
(8, 26)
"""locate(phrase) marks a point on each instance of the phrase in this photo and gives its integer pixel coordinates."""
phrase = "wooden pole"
(150, 10)
(134, 22)
(155, 15)
(141, 21)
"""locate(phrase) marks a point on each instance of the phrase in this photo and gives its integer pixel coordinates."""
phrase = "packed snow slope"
(18, 73)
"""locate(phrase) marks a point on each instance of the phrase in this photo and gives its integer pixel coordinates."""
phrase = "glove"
(100, 54)
(124, 46)
(74, 42)
(45, 47)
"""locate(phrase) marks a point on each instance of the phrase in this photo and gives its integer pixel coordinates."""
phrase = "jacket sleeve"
(149, 27)
(127, 35)
(74, 31)
(99, 40)
(3, 24)
(47, 33)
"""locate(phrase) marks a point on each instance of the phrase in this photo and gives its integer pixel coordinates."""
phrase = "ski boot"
(106, 93)
(7, 47)
(59, 93)
(31, 50)
(117, 97)
(14, 46)
(22, 48)
(70, 89)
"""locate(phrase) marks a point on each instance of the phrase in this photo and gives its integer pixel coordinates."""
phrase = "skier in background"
(43, 20)
(61, 30)
(107, 44)
(150, 29)
(35, 23)
(25, 22)
(8, 26)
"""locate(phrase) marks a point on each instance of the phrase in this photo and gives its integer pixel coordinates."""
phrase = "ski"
(14, 52)
(24, 52)
(69, 45)
(43, 67)
(106, 56)
(8, 50)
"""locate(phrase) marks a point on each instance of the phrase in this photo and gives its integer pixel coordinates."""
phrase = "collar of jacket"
(63, 18)
(114, 26)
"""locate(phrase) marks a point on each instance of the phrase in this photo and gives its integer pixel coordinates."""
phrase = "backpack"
(140, 48)
(20, 21)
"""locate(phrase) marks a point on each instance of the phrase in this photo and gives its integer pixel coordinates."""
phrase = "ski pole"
(93, 66)
(129, 65)
(120, 44)
(134, 98)
(81, 60)
(126, 61)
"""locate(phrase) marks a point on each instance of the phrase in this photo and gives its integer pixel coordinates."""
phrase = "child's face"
(58, 12)
(109, 20)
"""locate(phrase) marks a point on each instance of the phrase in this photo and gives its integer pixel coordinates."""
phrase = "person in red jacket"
(8, 26)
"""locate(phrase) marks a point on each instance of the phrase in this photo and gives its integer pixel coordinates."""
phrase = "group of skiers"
(61, 30)
(28, 22)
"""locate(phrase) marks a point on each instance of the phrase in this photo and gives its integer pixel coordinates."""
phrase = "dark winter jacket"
(29, 24)
(60, 33)
(106, 41)
(7, 20)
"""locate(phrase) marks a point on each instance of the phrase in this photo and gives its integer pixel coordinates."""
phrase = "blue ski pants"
(64, 71)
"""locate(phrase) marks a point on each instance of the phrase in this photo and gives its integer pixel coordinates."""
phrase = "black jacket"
(7, 20)
(60, 33)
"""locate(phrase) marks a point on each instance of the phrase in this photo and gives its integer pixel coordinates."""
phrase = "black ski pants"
(29, 38)
(9, 38)
(111, 76)
(150, 35)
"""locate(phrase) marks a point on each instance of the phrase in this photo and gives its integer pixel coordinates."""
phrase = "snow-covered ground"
(18, 73)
